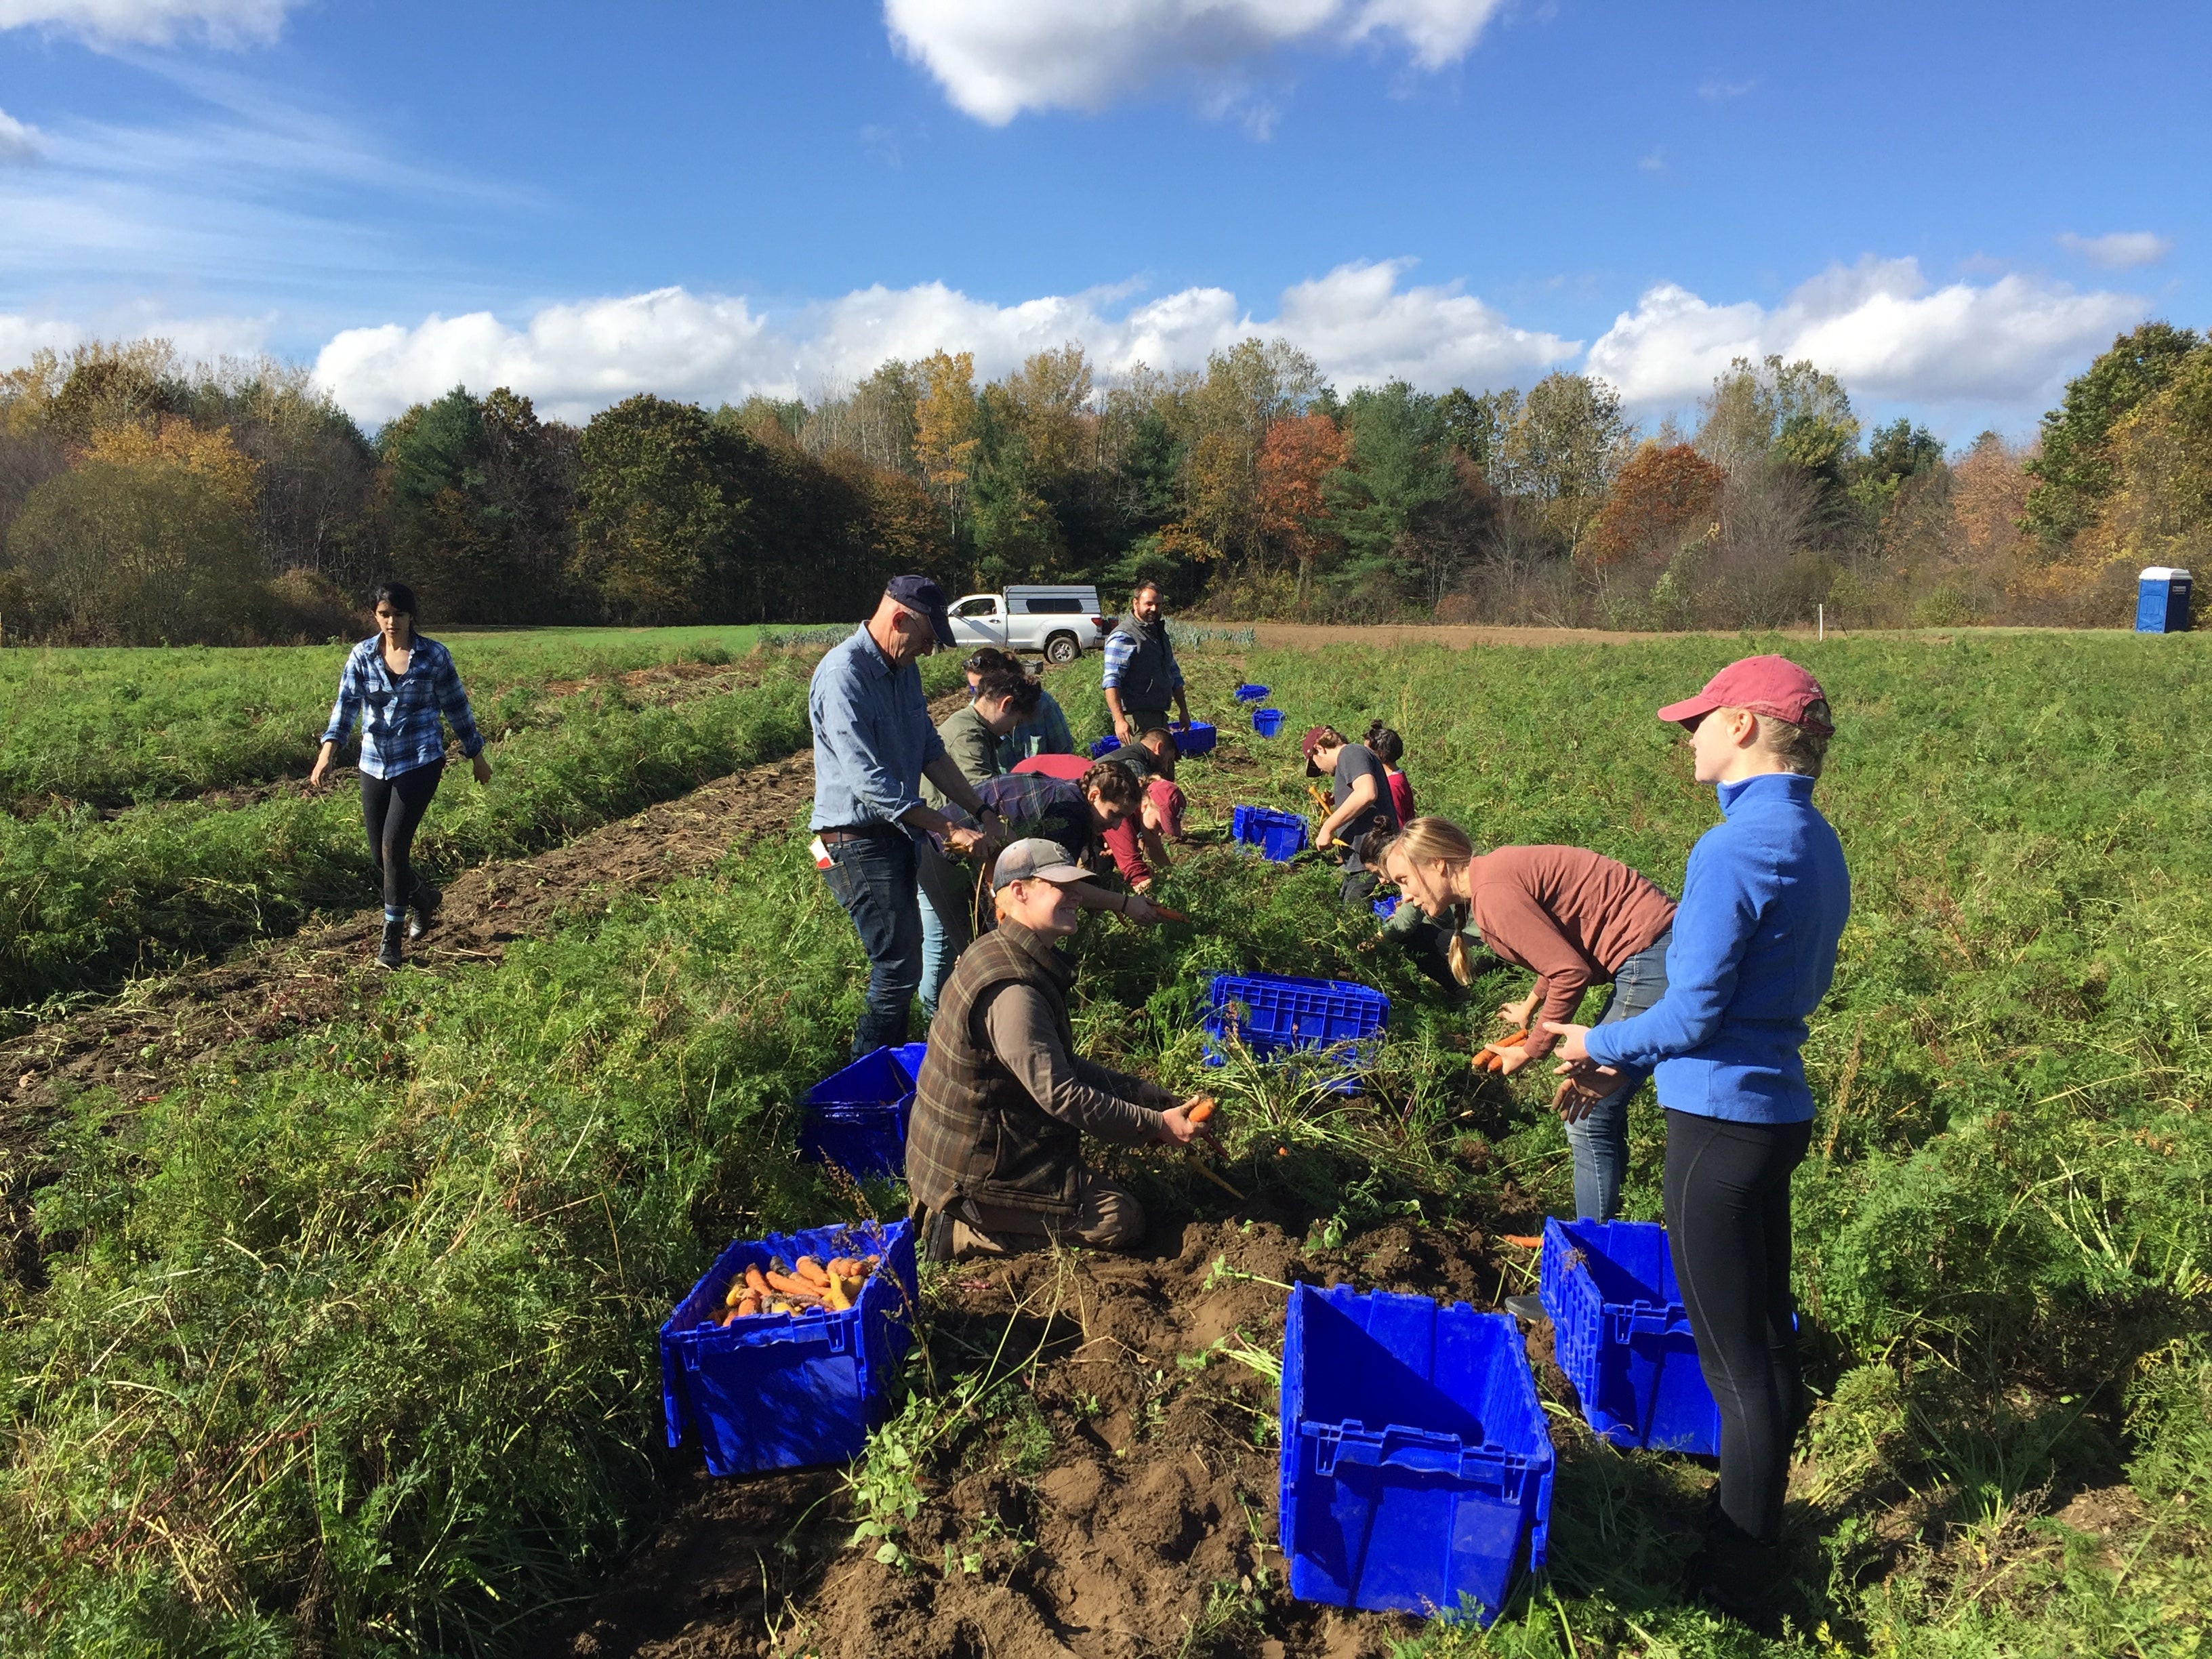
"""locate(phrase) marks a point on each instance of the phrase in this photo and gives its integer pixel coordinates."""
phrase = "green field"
(88, 896)
(351, 1336)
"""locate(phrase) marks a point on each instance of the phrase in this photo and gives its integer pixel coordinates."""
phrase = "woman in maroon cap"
(1764, 905)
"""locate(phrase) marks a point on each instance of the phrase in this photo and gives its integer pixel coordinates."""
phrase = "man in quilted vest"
(993, 1154)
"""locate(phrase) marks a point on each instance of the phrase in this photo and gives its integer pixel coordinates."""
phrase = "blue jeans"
(944, 929)
(873, 878)
(1598, 1141)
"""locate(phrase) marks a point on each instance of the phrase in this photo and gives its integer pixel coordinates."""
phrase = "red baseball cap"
(1773, 686)
(1311, 741)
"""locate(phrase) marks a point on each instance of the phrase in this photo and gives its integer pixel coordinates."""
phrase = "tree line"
(143, 498)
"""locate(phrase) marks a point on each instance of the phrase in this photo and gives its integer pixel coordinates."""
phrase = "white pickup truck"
(1061, 623)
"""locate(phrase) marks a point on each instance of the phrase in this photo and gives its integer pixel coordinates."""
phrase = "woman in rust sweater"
(1575, 919)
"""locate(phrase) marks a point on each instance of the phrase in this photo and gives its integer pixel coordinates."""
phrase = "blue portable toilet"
(2162, 601)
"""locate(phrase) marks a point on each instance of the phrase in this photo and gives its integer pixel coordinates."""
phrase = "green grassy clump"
(118, 727)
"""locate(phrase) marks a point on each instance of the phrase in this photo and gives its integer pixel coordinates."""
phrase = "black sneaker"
(387, 955)
(1735, 1574)
(424, 904)
(1531, 1307)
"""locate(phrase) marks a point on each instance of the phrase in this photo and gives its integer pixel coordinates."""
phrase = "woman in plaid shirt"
(399, 684)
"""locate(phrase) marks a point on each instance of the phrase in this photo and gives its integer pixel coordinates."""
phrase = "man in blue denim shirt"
(873, 743)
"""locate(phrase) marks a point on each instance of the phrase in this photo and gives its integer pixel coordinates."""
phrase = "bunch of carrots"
(809, 1286)
(1487, 1059)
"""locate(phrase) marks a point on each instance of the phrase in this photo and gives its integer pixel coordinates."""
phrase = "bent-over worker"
(994, 1156)
(999, 701)
(1360, 791)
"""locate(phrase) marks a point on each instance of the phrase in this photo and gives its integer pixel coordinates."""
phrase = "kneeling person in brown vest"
(1003, 1102)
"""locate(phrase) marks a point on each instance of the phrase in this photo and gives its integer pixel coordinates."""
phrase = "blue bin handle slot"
(1643, 1320)
(1393, 1446)
(829, 1335)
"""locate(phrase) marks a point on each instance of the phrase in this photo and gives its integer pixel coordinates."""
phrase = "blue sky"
(1951, 207)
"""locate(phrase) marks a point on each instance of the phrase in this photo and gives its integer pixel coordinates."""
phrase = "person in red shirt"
(1576, 919)
(1138, 842)
(1389, 748)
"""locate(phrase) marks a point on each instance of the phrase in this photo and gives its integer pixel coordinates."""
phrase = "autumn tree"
(2075, 470)
(1663, 494)
(945, 444)
(149, 540)
(2158, 510)
(1296, 458)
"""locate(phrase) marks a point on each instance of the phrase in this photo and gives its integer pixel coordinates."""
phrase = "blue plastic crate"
(1335, 1023)
(1250, 693)
(1623, 1335)
(1266, 722)
(1105, 746)
(1195, 738)
(856, 1118)
(1417, 1468)
(1279, 836)
(784, 1390)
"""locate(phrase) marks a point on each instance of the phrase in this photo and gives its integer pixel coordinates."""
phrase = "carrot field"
(340, 1338)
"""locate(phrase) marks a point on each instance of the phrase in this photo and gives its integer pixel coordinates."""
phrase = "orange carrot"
(798, 1290)
(1201, 1109)
(808, 1268)
(756, 1281)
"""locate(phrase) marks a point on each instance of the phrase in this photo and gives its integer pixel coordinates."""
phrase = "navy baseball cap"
(920, 593)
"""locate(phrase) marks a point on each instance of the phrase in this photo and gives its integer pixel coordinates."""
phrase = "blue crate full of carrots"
(783, 1354)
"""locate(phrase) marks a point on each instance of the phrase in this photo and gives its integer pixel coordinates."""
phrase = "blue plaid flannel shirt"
(399, 728)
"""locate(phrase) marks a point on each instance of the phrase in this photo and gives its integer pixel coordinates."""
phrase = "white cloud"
(1364, 330)
(575, 358)
(1879, 326)
(1717, 91)
(149, 22)
(19, 144)
(1357, 322)
(996, 58)
(2121, 249)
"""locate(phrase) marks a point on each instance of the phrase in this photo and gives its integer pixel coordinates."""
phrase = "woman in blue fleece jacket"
(1762, 906)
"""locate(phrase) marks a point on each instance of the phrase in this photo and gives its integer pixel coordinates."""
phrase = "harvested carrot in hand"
(1201, 1110)
(1167, 914)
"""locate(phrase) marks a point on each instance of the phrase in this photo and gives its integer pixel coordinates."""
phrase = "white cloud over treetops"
(2120, 250)
(149, 22)
(1880, 327)
(1359, 322)
(996, 58)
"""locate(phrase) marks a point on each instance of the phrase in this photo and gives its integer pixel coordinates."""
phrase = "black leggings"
(392, 808)
(1727, 1228)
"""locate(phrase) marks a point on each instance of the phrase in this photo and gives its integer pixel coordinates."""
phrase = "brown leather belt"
(858, 832)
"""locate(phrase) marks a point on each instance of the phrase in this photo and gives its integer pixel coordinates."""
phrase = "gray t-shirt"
(1353, 762)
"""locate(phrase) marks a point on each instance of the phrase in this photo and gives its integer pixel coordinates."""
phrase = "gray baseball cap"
(1036, 860)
